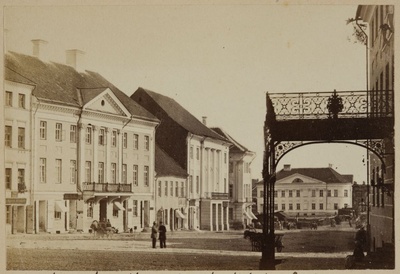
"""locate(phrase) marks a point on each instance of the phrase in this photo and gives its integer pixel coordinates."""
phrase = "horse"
(99, 229)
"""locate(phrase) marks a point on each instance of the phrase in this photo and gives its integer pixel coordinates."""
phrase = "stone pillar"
(95, 154)
(119, 163)
(107, 161)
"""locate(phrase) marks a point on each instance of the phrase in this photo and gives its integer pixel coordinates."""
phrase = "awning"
(247, 215)
(118, 206)
(253, 216)
(180, 214)
(60, 206)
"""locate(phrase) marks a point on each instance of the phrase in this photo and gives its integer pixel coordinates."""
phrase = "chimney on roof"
(75, 58)
(286, 168)
(330, 165)
(38, 51)
(204, 120)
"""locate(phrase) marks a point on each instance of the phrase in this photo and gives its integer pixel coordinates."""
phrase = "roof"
(166, 166)
(324, 174)
(236, 146)
(179, 114)
(61, 84)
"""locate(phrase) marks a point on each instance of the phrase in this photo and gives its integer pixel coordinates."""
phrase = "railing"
(104, 187)
(21, 187)
(216, 195)
(314, 105)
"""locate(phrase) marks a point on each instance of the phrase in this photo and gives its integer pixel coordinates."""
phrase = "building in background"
(240, 183)
(309, 192)
(360, 197)
(381, 28)
(77, 149)
(200, 151)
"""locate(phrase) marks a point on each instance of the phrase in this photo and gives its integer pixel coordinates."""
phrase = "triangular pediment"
(105, 102)
(298, 178)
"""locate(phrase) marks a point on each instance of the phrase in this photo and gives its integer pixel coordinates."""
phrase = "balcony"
(105, 187)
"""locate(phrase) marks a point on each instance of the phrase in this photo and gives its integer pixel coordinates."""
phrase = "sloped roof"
(180, 115)
(324, 174)
(236, 146)
(60, 83)
(166, 166)
(15, 77)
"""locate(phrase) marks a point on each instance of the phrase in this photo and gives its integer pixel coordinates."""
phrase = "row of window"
(8, 137)
(191, 154)
(169, 188)
(298, 206)
(9, 99)
(102, 140)
(9, 179)
(313, 193)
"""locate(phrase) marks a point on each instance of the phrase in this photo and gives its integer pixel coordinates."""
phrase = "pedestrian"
(154, 231)
(350, 222)
(360, 242)
(162, 235)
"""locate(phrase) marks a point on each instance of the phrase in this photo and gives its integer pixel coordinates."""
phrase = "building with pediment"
(77, 149)
(306, 192)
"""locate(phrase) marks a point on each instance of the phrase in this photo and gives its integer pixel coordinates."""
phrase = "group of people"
(162, 234)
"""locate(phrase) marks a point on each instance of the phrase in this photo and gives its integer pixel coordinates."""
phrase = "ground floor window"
(57, 214)
(335, 206)
(8, 214)
(134, 208)
(115, 212)
(89, 212)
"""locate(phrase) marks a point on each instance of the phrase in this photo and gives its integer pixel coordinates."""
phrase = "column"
(107, 164)
(226, 208)
(216, 218)
(95, 154)
(119, 163)
(81, 154)
(222, 216)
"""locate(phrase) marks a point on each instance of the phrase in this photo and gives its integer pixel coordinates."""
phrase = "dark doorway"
(103, 210)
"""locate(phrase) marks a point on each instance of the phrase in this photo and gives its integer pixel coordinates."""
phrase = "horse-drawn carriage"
(101, 229)
(256, 238)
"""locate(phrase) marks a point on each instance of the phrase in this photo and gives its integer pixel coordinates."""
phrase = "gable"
(297, 178)
(104, 101)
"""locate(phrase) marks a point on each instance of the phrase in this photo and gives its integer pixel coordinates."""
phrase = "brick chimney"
(204, 120)
(38, 49)
(286, 168)
(75, 59)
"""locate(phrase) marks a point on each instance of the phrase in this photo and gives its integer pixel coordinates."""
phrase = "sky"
(216, 60)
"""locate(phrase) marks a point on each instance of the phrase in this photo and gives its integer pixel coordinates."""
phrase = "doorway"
(103, 210)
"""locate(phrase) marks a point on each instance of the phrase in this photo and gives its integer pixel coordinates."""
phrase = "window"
(115, 212)
(197, 184)
(166, 188)
(321, 193)
(8, 178)
(113, 173)
(9, 97)
(290, 193)
(275, 206)
(101, 136)
(8, 214)
(21, 137)
(191, 152)
(73, 171)
(42, 170)
(290, 206)
(335, 192)
(172, 188)
(182, 189)
(135, 208)
(72, 134)
(21, 178)
(114, 138)
(190, 184)
(225, 158)
(283, 193)
(7, 136)
(313, 193)
(230, 191)
(135, 141)
(124, 174)
(297, 193)
(146, 143)
(89, 211)
(58, 132)
(101, 172)
(298, 206)
(21, 100)
(88, 135)
(43, 130)
(176, 189)
(230, 167)
(335, 206)
(321, 206)
(58, 171)
(346, 193)
(283, 206)
(57, 215)
(88, 171)
(146, 175)
(159, 188)
(125, 140)
(313, 206)
(262, 193)
(135, 175)
(329, 194)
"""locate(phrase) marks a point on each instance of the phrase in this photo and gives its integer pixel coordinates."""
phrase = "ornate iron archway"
(297, 119)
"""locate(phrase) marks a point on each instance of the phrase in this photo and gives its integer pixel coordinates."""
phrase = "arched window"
(297, 180)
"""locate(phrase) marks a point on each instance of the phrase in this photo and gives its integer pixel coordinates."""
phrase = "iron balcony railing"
(105, 187)
(216, 195)
(314, 105)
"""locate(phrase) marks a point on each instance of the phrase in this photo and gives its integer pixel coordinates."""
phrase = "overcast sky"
(216, 60)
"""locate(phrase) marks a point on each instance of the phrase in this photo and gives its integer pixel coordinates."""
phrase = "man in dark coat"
(154, 231)
(162, 235)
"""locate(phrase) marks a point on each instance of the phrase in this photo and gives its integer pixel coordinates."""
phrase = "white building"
(77, 149)
(309, 191)
(200, 151)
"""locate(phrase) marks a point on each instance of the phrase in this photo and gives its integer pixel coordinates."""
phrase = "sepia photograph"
(198, 136)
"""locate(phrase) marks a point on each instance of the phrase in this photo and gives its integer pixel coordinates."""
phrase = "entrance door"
(103, 210)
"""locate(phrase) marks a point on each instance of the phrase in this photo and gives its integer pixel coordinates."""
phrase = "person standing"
(162, 235)
(154, 231)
